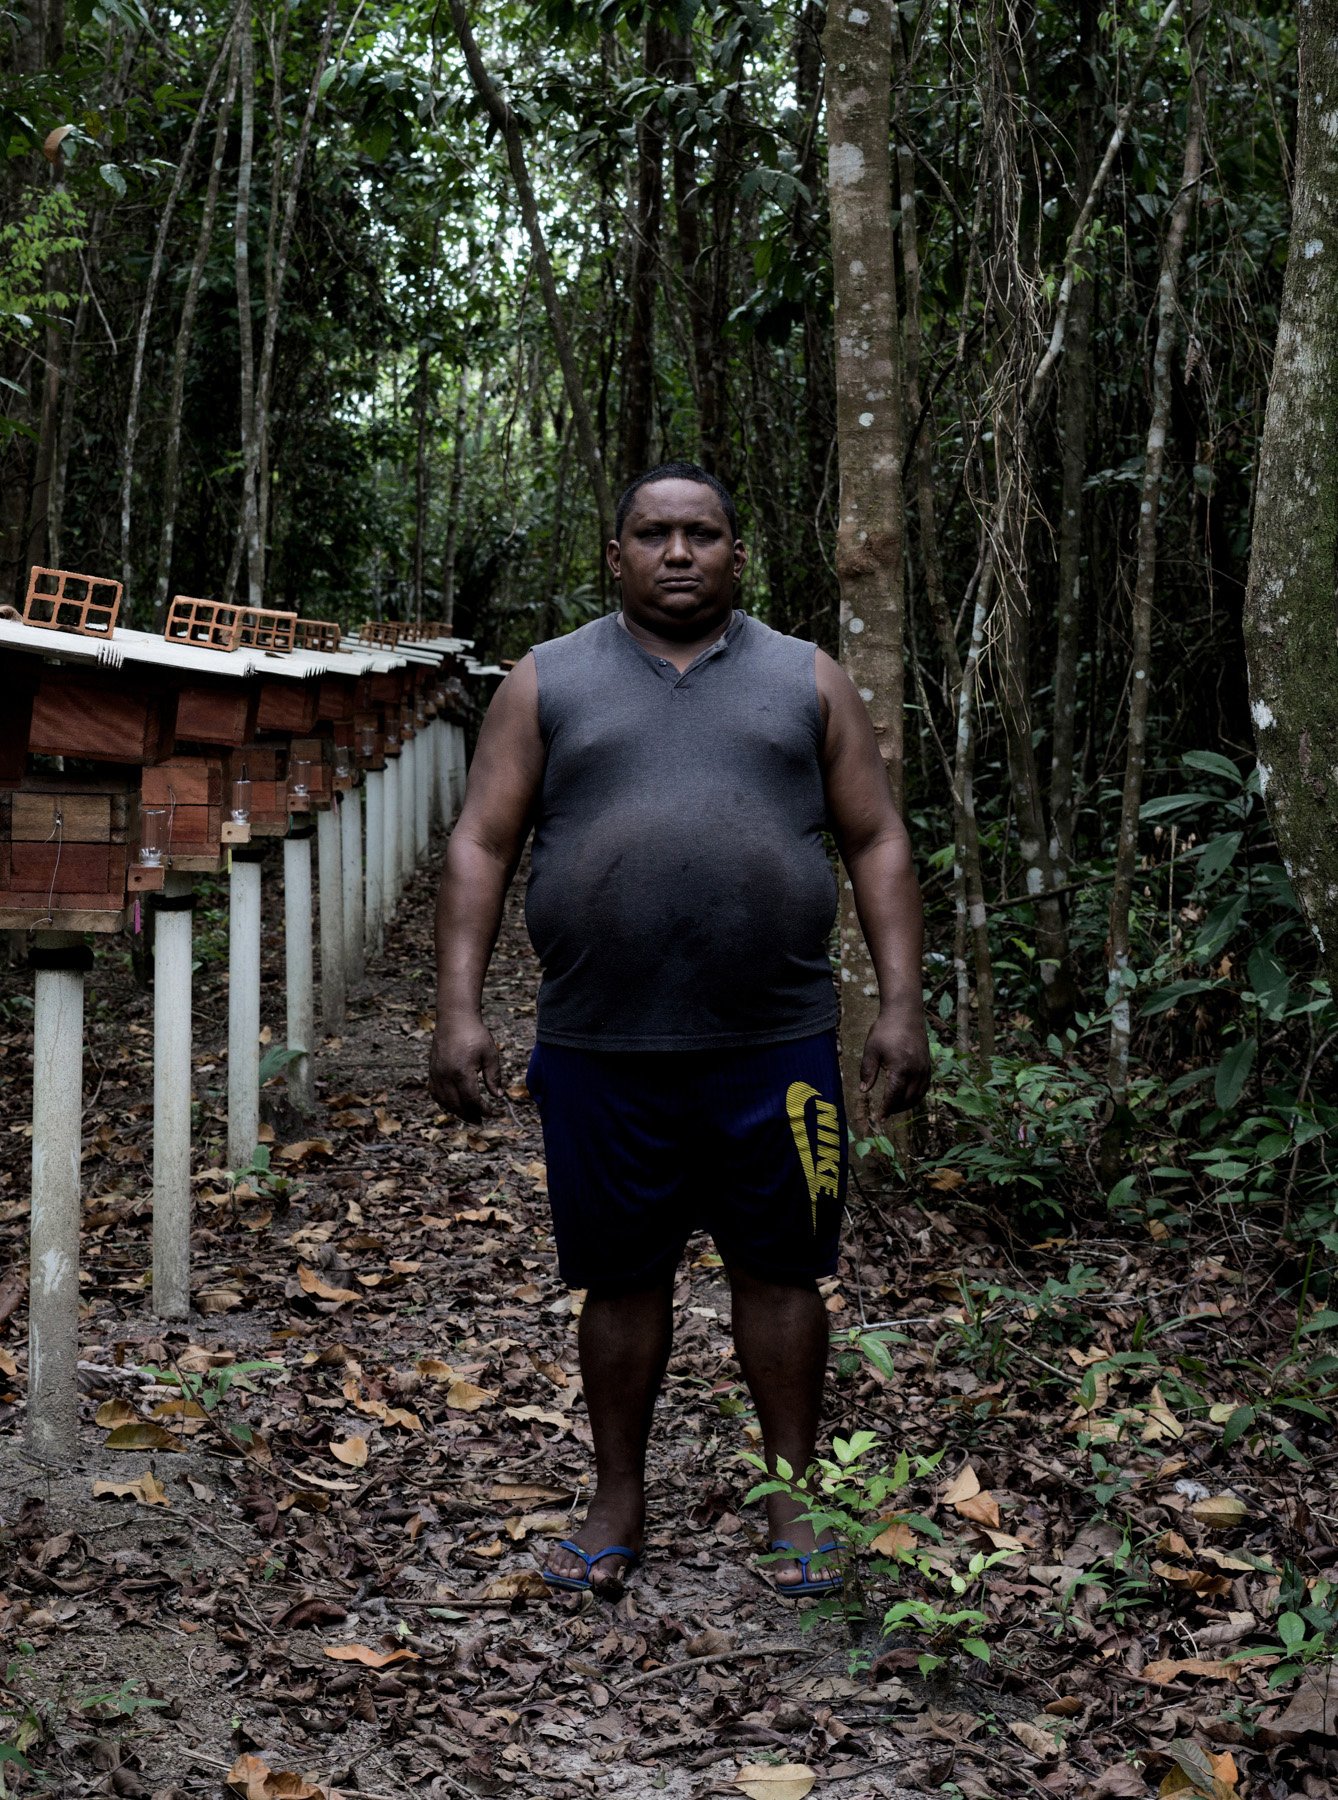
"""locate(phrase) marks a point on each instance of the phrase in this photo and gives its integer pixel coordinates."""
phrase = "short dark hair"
(676, 471)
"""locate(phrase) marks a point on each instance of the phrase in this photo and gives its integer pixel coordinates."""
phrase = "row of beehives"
(223, 730)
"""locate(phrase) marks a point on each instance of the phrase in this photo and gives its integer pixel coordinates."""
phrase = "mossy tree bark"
(870, 427)
(1291, 612)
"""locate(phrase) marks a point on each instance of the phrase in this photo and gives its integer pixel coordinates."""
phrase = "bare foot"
(612, 1518)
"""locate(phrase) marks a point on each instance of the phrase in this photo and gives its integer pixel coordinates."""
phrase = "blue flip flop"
(578, 1584)
(806, 1587)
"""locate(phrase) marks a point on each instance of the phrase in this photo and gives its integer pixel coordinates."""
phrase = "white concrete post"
(442, 749)
(301, 1024)
(376, 858)
(422, 794)
(171, 1097)
(243, 1011)
(58, 1101)
(350, 828)
(408, 809)
(458, 769)
(329, 855)
(390, 838)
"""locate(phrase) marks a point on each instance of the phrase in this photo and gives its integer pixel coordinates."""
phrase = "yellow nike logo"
(823, 1172)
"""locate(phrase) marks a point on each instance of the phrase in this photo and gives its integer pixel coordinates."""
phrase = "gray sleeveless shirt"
(680, 896)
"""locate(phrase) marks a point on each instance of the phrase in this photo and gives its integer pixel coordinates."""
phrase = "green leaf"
(1233, 1072)
(1291, 1629)
(1321, 1321)
(1209, 762)
(1239, 1423)
(976, 1647)
(114, 179)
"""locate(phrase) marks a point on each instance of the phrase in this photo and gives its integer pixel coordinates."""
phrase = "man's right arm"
(481, 858)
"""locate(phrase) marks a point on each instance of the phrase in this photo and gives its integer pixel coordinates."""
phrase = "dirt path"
(420, 1441)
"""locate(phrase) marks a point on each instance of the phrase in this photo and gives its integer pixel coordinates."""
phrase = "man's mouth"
(677, 584)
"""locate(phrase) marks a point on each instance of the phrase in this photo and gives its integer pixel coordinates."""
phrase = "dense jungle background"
(368, 310)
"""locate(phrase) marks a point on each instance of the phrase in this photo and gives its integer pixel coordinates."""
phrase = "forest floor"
(322, 1580)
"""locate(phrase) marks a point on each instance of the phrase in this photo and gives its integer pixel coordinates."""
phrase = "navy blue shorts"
(646, 1147)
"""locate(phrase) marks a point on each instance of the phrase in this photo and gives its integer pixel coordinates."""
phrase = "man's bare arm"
(877, 855)
(481, 858)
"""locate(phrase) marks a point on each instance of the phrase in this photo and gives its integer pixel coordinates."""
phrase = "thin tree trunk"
(871, 433)
(639, 364)
(454, 507)
(499, 111)
(420, 478)
(1074, 406)
(185, 335)
(165, 219)
(248, 543)
(1118, 969)
(1290, 620)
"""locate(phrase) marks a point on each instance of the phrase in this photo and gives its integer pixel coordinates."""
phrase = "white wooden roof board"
(59, 646)
(146, 647)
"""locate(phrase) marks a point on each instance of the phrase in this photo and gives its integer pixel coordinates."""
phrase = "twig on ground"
(716, 1656)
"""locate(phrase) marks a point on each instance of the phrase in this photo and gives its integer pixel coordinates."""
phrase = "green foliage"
(210, 1387)
(53, 225)
(1306, 1627)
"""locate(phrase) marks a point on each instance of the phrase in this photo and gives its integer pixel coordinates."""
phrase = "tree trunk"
(870, 428)
(248, 543)
(185, 335)
(639, 365)
(499, 111)
(1075, 406)
(165, 218)
(454, 506)
(1290, 611)
(1120, 975)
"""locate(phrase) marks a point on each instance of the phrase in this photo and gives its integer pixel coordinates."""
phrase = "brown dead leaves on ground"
(340, 1551)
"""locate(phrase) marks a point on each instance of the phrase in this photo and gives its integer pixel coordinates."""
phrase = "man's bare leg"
(624, 1342)
(780, 1333)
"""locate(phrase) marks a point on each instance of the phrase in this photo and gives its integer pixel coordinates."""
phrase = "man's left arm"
(877, 855)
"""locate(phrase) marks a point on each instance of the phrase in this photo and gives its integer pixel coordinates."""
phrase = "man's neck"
(681, 652)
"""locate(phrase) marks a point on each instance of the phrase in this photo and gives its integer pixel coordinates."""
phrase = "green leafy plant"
(122, 1702)
(210, 1387)
(853, 1496)
(1307, 1629)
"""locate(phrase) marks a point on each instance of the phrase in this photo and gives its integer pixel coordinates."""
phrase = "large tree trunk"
(1291, 616)
(248, 541)
(505, 122)
(870, 426)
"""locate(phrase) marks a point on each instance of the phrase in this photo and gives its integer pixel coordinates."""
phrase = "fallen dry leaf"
(981, 1509)
(296, 1153)
(524, 1584)
(1161, 1421)
(145, 1488)
(1220, 1512)
(369, 1658)
(7, 1364)
(115, 1412)
(351, 1451)
(434, 1369)
(1170, 1667)
(893, 1539)
(311, 1283)
(1035, 1738)
(142, 1436)
(463, 1396)
(775, 1781)
(253, 1779)
(962, 1487)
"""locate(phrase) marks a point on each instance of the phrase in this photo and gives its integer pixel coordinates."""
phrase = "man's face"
(677, 558)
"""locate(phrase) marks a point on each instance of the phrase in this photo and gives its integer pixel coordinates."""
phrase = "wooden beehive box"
(196, 791)
(66, 845)
(373, 756)
(319, 752)
(218, 712)
(101, 716)
(266, 767)
(338, 698)
(60, 600)
(289, 707)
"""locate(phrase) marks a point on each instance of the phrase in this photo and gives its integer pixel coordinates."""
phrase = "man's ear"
(613, 556)
(740, 557)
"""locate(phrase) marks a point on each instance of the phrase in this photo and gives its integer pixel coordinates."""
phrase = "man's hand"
(461, 1050)
(898, 1046)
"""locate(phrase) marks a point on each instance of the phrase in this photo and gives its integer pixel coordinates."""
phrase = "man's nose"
(678, 548)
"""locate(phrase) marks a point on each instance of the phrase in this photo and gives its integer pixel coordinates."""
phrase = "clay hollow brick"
(60, 600)
(317, 634)
(214, 626)
(383, 631)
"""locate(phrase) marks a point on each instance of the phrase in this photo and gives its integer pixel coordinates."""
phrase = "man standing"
(679, 763)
